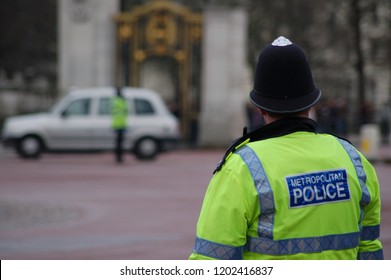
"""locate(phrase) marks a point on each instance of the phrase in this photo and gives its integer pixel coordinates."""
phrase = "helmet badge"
(281, 42)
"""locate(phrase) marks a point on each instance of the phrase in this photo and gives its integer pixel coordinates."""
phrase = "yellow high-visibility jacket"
(119, 112)
(300, 195)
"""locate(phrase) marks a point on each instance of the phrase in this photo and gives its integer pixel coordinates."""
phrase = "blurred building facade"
(81, 43)
(185, 55)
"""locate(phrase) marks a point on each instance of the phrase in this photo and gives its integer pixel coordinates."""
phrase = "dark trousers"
(118, 144)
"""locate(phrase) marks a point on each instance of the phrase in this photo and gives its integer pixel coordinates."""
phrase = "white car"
(82, 121)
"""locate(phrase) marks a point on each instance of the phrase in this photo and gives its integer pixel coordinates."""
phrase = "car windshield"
(59, 104)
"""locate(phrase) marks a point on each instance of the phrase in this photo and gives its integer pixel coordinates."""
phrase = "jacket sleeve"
(225, 214)
(370, 245)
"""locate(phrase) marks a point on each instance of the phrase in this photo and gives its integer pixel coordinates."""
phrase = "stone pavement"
(84, 206)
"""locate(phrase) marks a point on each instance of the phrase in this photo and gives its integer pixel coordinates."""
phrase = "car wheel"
(29, 146)
(146, 148)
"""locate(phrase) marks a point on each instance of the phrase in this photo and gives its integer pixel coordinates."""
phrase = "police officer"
(284, 191)
(119, 112)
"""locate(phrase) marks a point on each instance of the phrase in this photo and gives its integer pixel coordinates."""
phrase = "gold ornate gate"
(162, 28)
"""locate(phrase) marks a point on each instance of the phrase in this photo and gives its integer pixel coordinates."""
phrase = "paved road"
(72, 206)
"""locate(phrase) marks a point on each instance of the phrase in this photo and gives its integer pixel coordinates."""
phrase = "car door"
(71, 128)
(144, 121)
(102, 132)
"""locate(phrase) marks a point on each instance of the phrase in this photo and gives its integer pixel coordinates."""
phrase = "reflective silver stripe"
(265, 193)
(362, 176)
(217, 251)
(376, 255)
(370, 232)
(303, 245)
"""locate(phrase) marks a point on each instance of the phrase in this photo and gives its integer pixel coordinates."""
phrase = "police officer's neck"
(272, 117)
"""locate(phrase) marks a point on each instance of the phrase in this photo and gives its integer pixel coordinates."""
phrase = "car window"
(143, 107)
(80, 107)
(104, 106)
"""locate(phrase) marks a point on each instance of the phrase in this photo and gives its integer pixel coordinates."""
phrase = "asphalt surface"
(85, 206)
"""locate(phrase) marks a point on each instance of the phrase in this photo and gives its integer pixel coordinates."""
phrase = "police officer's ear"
(262, 112)
(268, 118)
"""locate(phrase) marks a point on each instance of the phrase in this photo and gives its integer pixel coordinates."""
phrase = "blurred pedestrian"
(366, 113)
(285, 191)
(384, 122)
(119, 112)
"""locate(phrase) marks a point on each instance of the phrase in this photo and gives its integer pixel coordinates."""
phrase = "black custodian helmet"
(283, 80)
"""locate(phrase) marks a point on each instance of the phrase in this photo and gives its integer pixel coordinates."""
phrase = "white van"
(82, 121)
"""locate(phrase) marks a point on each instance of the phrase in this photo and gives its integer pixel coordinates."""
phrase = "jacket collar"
(281, 127)
(275, 129)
